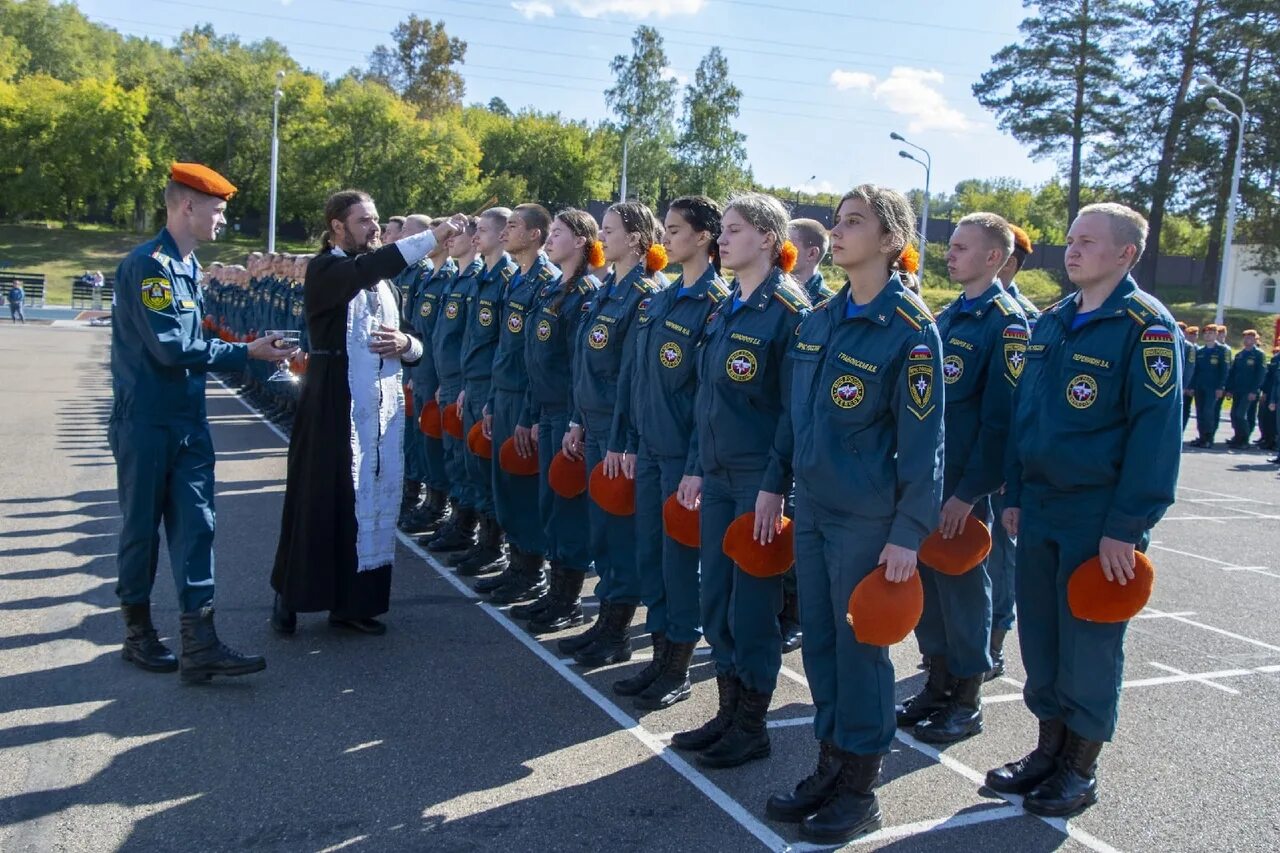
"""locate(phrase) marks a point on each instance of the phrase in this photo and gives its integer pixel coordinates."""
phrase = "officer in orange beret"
(159, 432)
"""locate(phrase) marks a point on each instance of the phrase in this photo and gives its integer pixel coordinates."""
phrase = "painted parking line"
(1199, 679)
(1213, 629)
(1221, 564)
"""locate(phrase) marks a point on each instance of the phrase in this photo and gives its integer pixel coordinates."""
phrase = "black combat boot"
(613, 643)
(204, 655)
(747, 738)
(565, 608)
(961, 718)
(457, 535)
(789, 622)
(934, 696)
(634, 685)
(812, 791)
(997, 654)
(1073, 787)
(420, 519)
(449, 508)
(142, 646)
(487, 554)
(709, 732)
(1020, 776)
(672, 684)
(531, 609)
(410, 497)
(529, 581)
(852, 810)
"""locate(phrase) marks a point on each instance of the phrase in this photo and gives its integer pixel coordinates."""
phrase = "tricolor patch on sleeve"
(1016, 332)
(1157, 334)
(920, 353)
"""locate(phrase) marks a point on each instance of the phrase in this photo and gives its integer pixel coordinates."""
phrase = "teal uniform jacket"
(1097, 414)
(159, 355)
(1247, 371)
(562, 308)
(446, 340)
(1188, 362)
(484, 322)
(425, 312)
(510, 367)
(1029, 309)
(816, 288)
(1213, 363)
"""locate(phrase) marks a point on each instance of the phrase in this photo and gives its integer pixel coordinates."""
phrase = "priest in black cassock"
(346, 465)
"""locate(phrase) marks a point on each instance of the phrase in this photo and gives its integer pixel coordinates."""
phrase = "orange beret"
(1021, 241)
(615, 496)
(1093, 598)
(883, 613)
(203, 179)
(567, 477)
(515, 464)
(408, 402)
(761, 561)
(429, 421)
(1253, 332)
(1193, 330)
(959, 555)
(682, 525)
(477, 443)
(451, 420)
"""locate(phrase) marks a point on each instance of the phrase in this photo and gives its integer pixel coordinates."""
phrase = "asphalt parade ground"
(457, 731)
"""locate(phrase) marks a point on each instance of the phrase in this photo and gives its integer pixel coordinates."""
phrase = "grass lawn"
(65, 253)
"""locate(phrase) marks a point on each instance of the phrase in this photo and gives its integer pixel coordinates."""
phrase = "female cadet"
(744, 465)
(563, 304)
(659, 386)
(867, 413)
(628, 231)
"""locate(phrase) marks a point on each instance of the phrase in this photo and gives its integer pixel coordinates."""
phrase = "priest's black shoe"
(789, 622)
(997, 654)
(142, 646)
(747, 739)
(812, 791)
(282, 621)
(1073, 787)
(961, 718)
(672, 684)
(853, 809)
(1020, 776)
(578, 642)
(361, 625)
(634, 685)
(613, 643)
(204, 655)
(695, 740)
(564, 610)
(934, 696)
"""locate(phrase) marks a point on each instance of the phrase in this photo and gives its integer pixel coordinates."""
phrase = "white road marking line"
(1221, 631)
(1179, 677)
(1221, 495)
(1202, 679)
(1213, 560)
(1219, 519)
(1164, 615)
(973, 818)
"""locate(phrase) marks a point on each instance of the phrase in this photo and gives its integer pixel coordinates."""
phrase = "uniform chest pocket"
(1088, 381)
(962, 363)
(744, 364)
(850, 390)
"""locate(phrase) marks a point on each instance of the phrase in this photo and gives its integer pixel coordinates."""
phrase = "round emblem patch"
(544, 330)
(741, 365)
(598, 337)
(1082, 391)
(952, 368)
(425, 310)
(670, 354)
(157, 293)
(847, 391)
(451, 310)
(485, 316)
(515, 322)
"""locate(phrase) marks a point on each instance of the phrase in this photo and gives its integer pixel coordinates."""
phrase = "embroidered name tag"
(746, 339)
(676, 327)
(1090, 360)
(861, 365)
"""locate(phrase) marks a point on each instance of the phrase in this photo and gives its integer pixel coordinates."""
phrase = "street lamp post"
(275, 160)
(622, 188)
(927, 163)
(812, 178)
(1240, 119)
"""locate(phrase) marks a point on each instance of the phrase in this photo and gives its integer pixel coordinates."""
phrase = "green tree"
(711, 153)
(58, 40)
(419, 66)
(1057, 87)
(643, 103)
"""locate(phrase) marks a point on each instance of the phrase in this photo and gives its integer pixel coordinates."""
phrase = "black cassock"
(316, 566)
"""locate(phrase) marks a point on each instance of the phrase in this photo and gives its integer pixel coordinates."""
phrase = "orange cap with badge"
(202, 179)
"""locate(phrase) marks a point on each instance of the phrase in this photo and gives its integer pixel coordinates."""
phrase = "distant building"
(1248, 288)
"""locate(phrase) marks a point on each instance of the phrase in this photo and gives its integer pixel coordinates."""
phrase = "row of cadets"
(407, 282)
(1244, 383)
(1213, 362)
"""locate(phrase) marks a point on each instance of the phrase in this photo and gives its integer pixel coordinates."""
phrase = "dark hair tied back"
(702, 214)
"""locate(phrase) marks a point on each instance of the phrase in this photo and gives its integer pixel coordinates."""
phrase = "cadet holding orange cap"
(867, 411)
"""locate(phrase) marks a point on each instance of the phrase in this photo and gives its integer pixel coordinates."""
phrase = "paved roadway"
(456, 731)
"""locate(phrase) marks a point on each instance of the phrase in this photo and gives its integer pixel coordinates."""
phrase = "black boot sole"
(507, 595)
(938, 737)
(696, 743)
(478, 571)
(644, 703)
(620, 654)
(573, 645)
(203, 676)
(791, 814)
(148, 666)
(716, 763)
(871, 824)
(538, 627)
(1066, 811)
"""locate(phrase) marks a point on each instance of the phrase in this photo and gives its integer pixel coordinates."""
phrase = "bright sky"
(823, 87)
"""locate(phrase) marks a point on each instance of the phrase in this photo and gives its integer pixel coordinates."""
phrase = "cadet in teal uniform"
(1213, 362)
(458, 531)
(867, 409)
(658, 387)
(1244, 383)
(597, 431)
(159, 432)
(479, 342)
(1189, 336)
(984, 342)
(744, 465)
(1094, 465)
(515, 497)
(409, 282)
(563, 306)
(1267, 402)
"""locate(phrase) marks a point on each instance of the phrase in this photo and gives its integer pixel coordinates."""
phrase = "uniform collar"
(877, 311)
(539, 263)
(612, 287)
(1112, 306)
(760, 299)
(700, 288)
(814, 285)
(981, 304)
(473, 268)
(169, 248)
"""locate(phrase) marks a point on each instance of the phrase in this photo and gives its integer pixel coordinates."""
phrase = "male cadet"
(458, 532)
(1095, 448)
(1267, 402)
(812, 241)
(1190, 345)
(16, 296)
(1022, 250)
(1213, 361)
(479, 342)
(1244, 382)
(984, 345)
(409, 281)
(391, 229)
(423, 313)
(159, 432)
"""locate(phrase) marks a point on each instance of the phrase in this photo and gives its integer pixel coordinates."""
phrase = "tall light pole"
(622, 188)
(927, 162)
(1240, 119)
(275, 160)
(812, 178)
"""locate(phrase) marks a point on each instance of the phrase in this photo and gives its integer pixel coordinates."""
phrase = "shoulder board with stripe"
(718, 290)
(1061, 304)
(1006, 304)
(508, 271)
(793, 303)
(914, 311)
(545, 274)
(648, 285)
(1144, 309)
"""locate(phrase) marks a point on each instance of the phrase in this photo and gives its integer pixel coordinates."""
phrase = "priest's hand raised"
(388, 342)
